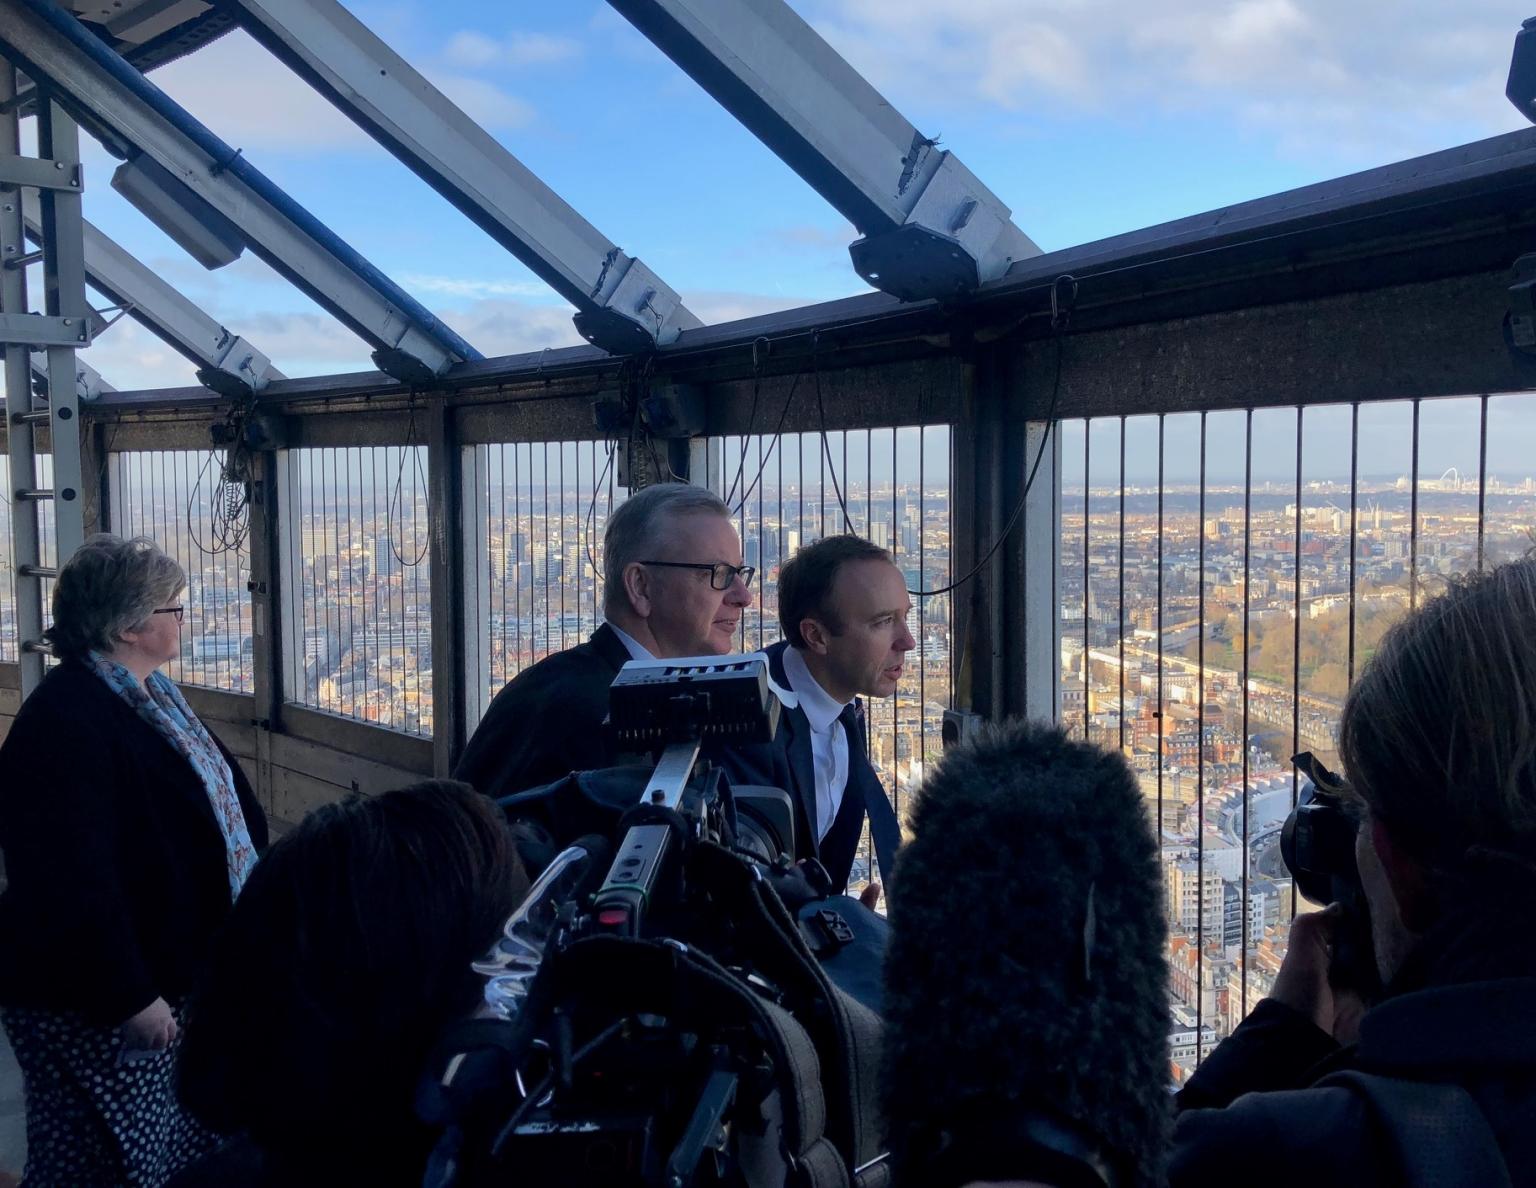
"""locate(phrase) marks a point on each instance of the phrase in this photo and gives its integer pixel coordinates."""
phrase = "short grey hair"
(642, 522)
(1438, 735)
(110, 585)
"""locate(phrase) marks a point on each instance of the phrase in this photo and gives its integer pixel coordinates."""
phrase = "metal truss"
(930, 227)
(225, 362)
(131, 116)
(622, 306)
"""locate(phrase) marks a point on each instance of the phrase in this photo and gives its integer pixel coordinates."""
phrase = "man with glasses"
(673, 585)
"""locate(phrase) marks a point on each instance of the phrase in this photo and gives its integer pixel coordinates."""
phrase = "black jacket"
(548, 722)
(115, 864)
(1461, 1014)
(792, 751)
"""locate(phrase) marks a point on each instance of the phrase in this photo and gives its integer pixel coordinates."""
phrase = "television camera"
(655, 1016)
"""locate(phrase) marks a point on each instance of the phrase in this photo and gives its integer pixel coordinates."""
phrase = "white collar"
(820, 708)
(637, 650)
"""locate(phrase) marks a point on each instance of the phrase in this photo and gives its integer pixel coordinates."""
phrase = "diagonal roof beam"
(930, 227)
(225, 362)
(121, 106)
(88, 382)
(622, 306)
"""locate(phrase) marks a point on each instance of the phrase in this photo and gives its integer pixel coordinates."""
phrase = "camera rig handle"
(637, 865)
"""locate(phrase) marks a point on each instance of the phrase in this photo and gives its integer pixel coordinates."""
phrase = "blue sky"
(1088, 118)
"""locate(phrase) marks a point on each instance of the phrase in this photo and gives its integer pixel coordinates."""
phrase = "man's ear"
(637, 587)
(1407, 877)
(815, 635)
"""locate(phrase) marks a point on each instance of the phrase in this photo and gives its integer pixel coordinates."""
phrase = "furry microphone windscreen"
(1027, 972)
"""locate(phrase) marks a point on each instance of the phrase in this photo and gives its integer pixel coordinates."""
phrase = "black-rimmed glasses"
(179, 611)
(720, 573)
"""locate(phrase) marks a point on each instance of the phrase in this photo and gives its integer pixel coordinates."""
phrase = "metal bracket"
(40, 174)
(39, 330)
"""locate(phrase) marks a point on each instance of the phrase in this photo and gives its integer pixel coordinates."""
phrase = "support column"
(448, 557)
(267, 626)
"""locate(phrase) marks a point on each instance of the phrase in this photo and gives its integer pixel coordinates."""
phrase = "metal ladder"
(66, 325)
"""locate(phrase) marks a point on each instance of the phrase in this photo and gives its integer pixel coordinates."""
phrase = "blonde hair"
(1439, 733)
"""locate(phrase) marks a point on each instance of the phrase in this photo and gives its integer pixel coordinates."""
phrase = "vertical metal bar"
(560, 529)
(1354, 525)
(1087, 489)
(58, 138)
(25, 541)
(761, 526)
(445, 497)
(1296, 635)
(1413, 517)
(1041, 564)
(522, 545)
(1482, 473)
(1122, 586)
(1247, 648)
(1159, 715)
(1200, 761)
(922, 603)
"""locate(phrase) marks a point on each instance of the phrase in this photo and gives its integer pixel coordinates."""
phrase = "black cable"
(757, 381)
(396, 499)
(1063, 300)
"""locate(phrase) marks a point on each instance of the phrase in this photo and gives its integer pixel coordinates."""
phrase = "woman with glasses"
(127, 830)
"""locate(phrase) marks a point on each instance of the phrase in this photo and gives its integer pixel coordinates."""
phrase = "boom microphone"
(1026, 1009)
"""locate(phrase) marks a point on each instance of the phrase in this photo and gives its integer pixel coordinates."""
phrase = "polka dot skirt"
(94, 1118)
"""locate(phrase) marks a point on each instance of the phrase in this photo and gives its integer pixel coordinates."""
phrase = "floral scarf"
(168, 715)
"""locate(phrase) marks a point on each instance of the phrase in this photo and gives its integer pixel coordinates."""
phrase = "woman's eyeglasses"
(179, 611)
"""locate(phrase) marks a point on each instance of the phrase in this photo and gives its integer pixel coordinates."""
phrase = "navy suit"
(863, 795)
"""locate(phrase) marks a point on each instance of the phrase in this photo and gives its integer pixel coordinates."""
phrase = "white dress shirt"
(829, 741)
(637, 650)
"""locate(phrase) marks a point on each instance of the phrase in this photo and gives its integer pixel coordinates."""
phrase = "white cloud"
(454, 286)
(1391, 77)
(475, 51)
(269, 108)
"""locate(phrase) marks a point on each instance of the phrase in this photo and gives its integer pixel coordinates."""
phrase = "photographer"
(673, 585)
(1436, 1084)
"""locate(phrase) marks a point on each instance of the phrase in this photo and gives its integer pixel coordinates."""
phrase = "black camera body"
(1317, 844)
(662, 1018)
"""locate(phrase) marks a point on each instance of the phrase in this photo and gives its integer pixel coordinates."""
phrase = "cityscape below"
(1208, 632)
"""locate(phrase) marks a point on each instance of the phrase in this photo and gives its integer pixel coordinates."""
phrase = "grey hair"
(1438, 735)
(110, 585)
(642, 522)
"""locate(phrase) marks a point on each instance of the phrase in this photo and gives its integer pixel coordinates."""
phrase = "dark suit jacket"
(794, 743)
(548, 722)
(116, 866)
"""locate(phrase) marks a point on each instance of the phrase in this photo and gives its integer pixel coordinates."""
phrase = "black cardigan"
(115, 863)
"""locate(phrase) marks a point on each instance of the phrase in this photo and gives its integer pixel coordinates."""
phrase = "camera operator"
(1436, 1084)
(843, 608)
(673, 585)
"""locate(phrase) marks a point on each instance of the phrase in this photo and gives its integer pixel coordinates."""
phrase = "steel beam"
(226, 362)
(621, 304)
(89, 384)
(122, 107)
(930, 227)
(26, 539)
(58, 137)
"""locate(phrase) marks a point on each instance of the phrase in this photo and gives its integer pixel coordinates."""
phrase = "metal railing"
(892, 486)
(173, 497)
(355, 539)
(535, 514)
(1223, 577)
